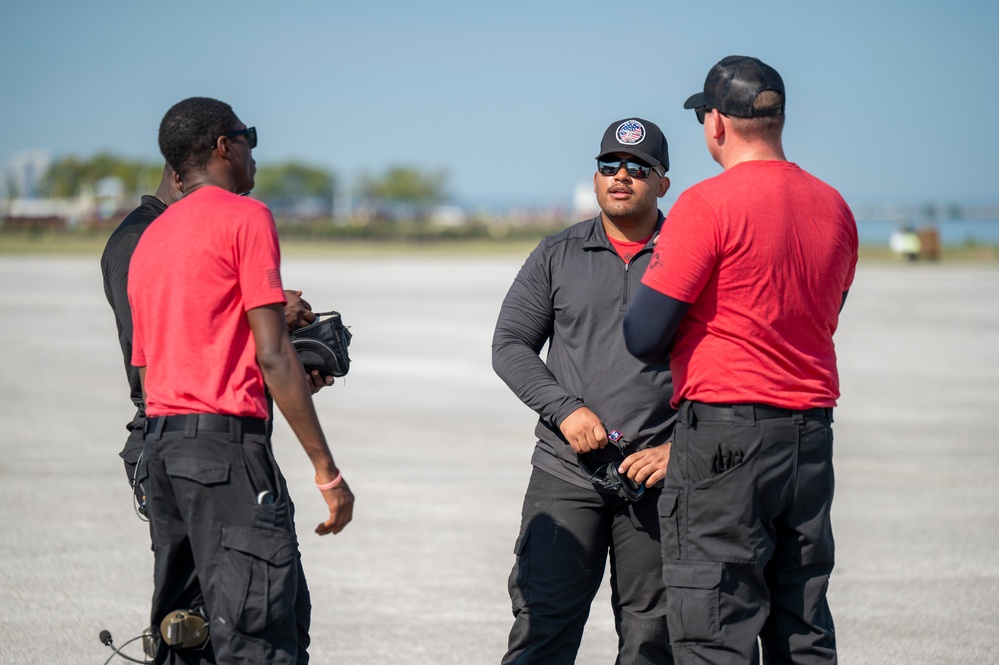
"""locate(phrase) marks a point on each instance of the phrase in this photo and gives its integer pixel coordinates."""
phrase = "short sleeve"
(259, 260)
(687, 250)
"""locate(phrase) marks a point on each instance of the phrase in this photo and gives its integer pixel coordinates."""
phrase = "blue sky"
(889, 101)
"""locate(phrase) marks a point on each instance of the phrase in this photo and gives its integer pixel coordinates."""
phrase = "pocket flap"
(693, 574)
(668, 501)
(276, 547)
(203, 471)
(521, 545)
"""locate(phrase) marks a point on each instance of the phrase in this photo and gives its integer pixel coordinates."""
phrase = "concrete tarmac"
(437, 451)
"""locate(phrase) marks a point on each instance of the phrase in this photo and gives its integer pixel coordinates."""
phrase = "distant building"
(60, 214)
(584, 201)
(22, 206)
(23, 173)
(448, 215)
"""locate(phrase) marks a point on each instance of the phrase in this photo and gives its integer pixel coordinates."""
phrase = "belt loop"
(235, 429)
(797, 417)
(743, 415)
(156, 431)
(829, 414)
(686, 415)
(190, 425)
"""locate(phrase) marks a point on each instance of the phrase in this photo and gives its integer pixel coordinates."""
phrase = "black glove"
(323, 344)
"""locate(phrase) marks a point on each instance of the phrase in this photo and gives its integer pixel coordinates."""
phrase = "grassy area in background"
(92, 243)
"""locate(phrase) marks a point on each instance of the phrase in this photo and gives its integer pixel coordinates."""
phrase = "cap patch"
(630, 132)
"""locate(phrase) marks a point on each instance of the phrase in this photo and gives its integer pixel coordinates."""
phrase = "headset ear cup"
(184, 629)
(150, 642)
(316, 355)
(629, 489)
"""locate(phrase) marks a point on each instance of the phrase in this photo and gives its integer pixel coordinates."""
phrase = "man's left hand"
(317, 381)
(647, 466)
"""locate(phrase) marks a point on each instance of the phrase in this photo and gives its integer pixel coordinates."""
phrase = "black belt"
(207, 422)
(751, 412)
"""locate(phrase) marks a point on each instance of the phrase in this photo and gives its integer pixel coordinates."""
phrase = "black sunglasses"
(635, 169)
(251, 136)
(702, 112)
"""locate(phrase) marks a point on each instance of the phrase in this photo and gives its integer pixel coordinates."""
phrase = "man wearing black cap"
(744, 292)
(586, 497)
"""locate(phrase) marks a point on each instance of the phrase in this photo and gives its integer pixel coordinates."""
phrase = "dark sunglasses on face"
(700, 112)
(636, 169)
(251, 136)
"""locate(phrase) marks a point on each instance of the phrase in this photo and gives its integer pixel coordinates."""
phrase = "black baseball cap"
(733, 84)
(641, 138)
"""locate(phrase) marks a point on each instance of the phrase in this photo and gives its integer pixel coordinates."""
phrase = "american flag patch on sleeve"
(274, 278)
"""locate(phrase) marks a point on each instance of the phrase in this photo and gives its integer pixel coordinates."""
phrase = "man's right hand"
(584, 431)
(340, 501)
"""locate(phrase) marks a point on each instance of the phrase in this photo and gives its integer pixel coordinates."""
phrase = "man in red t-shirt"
(209, 337)
(744, 293)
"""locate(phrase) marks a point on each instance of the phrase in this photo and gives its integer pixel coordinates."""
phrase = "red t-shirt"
(763, 252)
(627, 249)
(196, 271)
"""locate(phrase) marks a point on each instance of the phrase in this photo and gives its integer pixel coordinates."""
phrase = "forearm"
(286, 382)
(532, 382)
(526, 321)
(651, 323)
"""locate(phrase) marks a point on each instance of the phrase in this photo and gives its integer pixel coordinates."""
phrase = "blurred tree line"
(405, 185)
(71, 176)
(292, 188)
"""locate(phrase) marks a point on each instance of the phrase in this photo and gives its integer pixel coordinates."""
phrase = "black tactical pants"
(566, 533)
(747, 541)
(220, 516)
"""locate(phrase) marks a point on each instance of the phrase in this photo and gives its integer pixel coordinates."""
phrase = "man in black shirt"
(604, 419)
(114, 266)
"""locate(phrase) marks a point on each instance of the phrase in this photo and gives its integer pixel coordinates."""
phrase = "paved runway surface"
(437, 451)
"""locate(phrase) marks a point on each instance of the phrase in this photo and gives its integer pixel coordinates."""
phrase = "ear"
(663, 187)
(717, 128)
(178, 186)
(223, 146)
(595, 182)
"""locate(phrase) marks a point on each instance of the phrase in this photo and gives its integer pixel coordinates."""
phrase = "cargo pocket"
(258, 577)
(202, 471)
(669, 523)
(518, 584)
(692, 598)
